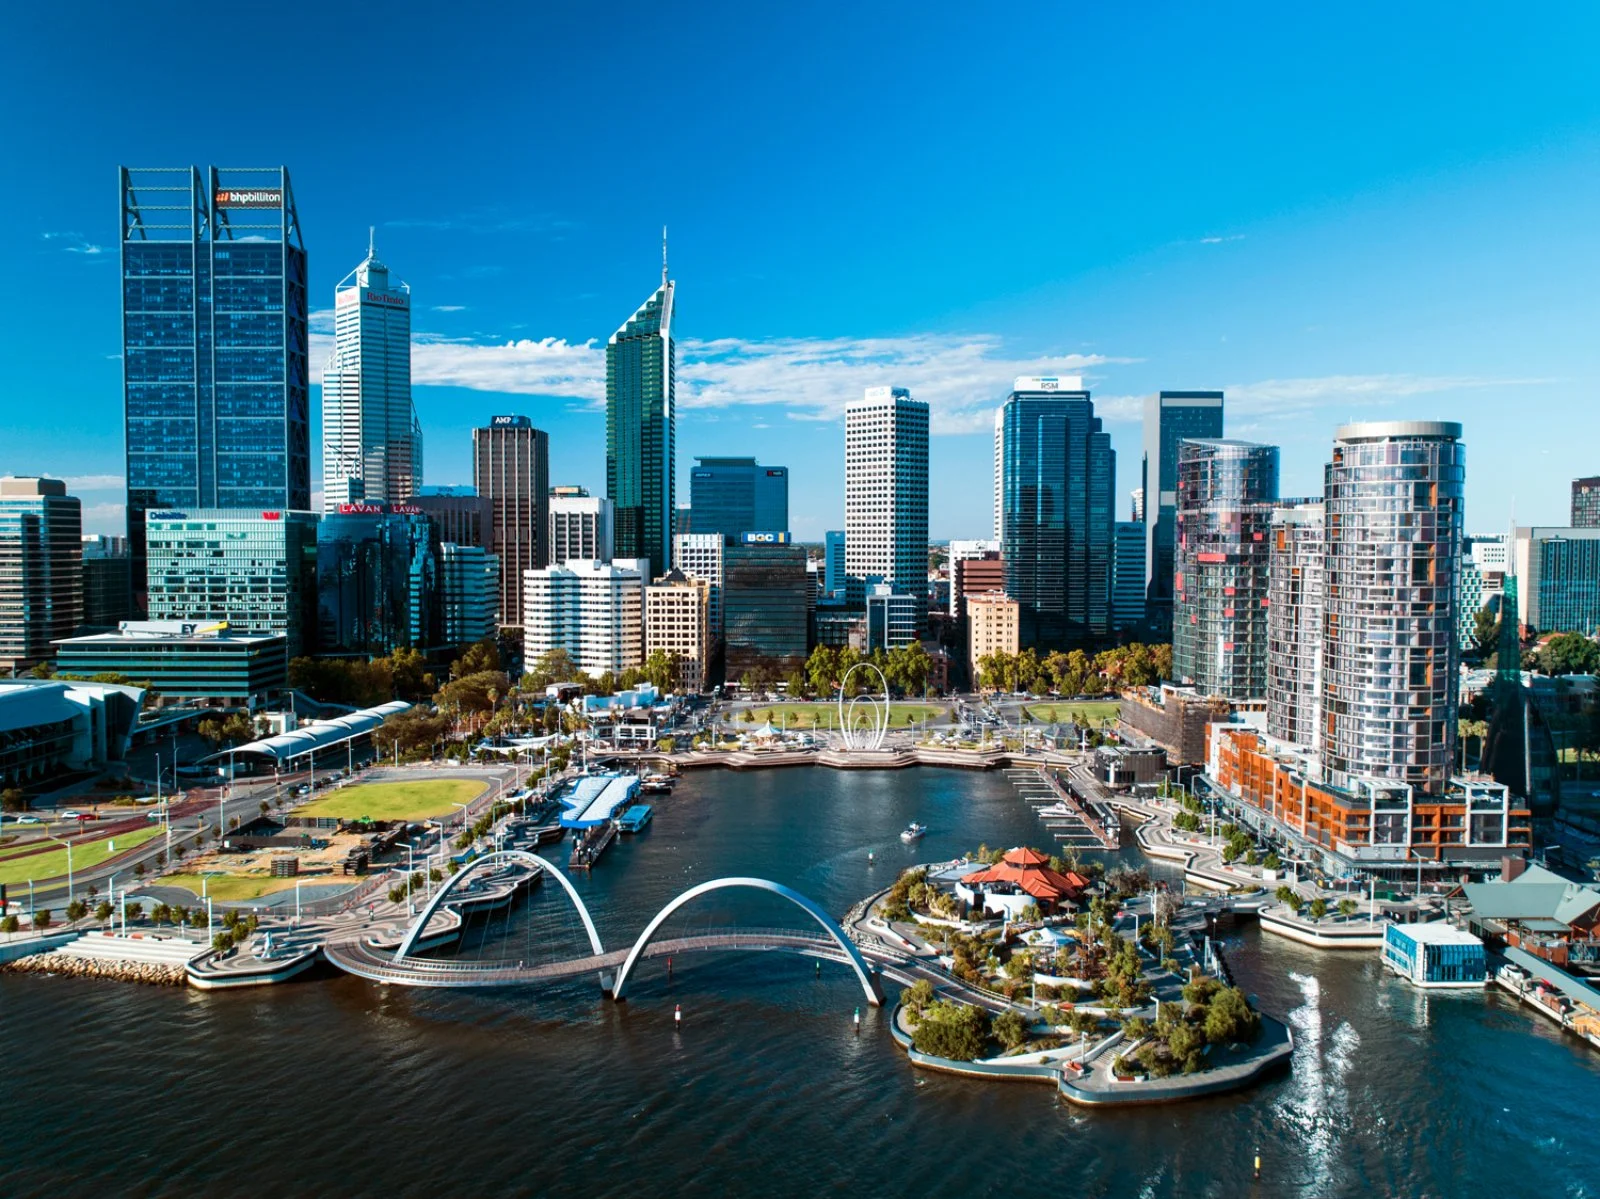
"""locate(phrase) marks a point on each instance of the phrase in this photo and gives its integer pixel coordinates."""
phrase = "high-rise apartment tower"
(511, 469)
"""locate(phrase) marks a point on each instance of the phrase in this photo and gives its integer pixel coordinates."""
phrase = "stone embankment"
(152, 973)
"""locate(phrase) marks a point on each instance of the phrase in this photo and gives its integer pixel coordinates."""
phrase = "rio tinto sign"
(255, 197)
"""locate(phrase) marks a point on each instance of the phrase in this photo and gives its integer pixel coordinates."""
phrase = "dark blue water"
(338, 1087)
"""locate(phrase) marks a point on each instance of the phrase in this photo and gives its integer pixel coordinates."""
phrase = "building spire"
(372, 241)
(663, 256)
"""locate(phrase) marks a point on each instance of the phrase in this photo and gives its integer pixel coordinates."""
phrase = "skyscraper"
(999, 473)
(1226, 493)
(107, 585)
(641, 422)
(371, 441)
(833, 572)
(592, 610)
(469, 590)
(731, 496)
(511, 468)
(1294, 624)
(886, 489)
(1586, 503)
(214, 341)
(377, 583)
(1169, 417)
(1060, 491)
(1389, 656)
(41, 570)
(1127, 577)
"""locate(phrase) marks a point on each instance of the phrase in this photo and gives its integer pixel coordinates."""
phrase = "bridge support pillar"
(877, 988)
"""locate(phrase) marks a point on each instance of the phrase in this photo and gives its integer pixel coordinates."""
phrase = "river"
(338, 1087)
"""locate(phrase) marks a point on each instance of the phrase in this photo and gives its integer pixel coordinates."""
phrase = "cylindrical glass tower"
(1226, 494)
(1389, 656)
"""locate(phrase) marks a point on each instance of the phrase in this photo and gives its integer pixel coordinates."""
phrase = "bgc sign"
(764, 538)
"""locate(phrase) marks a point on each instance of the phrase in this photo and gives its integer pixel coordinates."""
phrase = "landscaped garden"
(18, 866)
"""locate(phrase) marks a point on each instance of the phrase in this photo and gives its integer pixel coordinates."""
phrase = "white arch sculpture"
(869, 736)
(858, 963)
(503, 855)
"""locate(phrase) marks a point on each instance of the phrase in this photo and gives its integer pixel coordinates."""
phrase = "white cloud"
(448, 308)
(75, 243)
(961, 376)
(77, 483)
(1217, 241)
(103, 518)
(321, 321)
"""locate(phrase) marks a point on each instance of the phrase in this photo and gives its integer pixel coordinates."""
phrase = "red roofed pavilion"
(1028, 870)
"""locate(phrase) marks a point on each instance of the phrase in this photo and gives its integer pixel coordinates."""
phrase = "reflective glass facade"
(764, 618)
(833, 563)
(1294, 625)
(731, 496)
(1393, 530)
(1127, 577)
(377, 584)
(641, 424)
(215, 382)
(1169, 418)
(1226, 493)
(1560, 575)
(256, 570)
(469, 590)
(1059, 489)
(41, 569)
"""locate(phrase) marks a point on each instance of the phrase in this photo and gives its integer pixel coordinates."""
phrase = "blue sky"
(1345, 212)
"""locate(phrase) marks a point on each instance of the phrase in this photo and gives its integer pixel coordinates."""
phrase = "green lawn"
(232, 888)
(826, 715)
(85, 855)
(1089, 711)
(411, 800)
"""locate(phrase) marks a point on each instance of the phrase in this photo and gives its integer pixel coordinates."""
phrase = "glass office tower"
(731, 496)
(371, 440)
(214, 337)
(641, 422)
(377, 584)
(1058, 477)
(1169, 418)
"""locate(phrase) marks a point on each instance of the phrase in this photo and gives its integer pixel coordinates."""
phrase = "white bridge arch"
(864, 972)
(502, 855)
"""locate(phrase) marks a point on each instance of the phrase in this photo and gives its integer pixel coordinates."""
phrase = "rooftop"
(1436, 932)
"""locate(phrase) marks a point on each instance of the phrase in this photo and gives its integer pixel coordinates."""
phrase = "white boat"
(914, 832)
(1060, 811)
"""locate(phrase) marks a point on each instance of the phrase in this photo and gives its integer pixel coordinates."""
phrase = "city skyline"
(1419, 253)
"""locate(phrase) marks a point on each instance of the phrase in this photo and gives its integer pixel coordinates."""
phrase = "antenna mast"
(663, 256)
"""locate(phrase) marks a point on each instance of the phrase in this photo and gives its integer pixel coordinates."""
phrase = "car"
(28, 820)
(73, 814)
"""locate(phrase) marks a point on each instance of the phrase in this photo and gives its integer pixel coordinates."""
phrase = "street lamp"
(68, 844)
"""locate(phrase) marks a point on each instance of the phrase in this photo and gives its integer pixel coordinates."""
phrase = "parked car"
(28, 820)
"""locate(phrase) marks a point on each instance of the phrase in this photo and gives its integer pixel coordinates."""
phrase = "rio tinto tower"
(371, 441)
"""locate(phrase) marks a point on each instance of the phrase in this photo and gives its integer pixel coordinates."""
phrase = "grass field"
(1092, 711)
(231, 888)
(84, 856)
(826, 715)
(411, 800)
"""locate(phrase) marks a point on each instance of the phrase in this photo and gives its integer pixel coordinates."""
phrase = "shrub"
(951, 1030)
(1229, 1018)
(1010, 1029)
(41, 918)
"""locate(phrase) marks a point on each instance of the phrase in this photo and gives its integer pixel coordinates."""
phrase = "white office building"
(886, 490)
(371, 441)
(592, 610)
(699, 556)
(580, 526)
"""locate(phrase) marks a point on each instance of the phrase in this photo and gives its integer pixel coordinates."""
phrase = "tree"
(1009, 1028)
(1486, 631)
(41, 918)
(951, 1030)
(1570, 653)
(77, 910)
(9, 925)
(13, 800)
(822, 669)
(474, 694)
(234, 729)
(1229, 1018)
(1348, 908)
(1318, 908)
(103, 912)
(476, 658)
(916, 998)
(661, 669)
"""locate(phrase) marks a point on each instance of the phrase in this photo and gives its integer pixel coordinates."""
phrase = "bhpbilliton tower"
(641, 420)
(371, 441)
(215, 384)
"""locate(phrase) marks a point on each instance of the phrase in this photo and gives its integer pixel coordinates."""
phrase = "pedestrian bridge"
(359, 955)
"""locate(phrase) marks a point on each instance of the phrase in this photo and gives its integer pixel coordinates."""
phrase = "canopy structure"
(317, 734)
